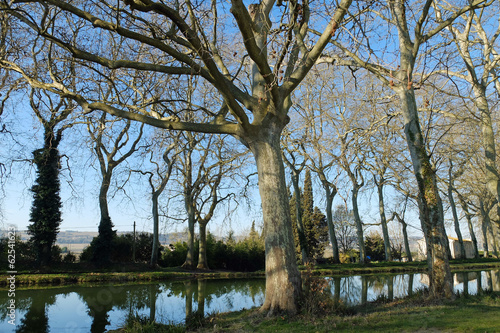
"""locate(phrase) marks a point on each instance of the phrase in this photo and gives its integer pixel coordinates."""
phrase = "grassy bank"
(414, 314)
(74, 273)
(38, 279)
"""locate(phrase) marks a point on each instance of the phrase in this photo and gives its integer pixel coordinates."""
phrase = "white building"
(454, 248)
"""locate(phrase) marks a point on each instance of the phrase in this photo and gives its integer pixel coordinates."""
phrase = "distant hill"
(85, 237)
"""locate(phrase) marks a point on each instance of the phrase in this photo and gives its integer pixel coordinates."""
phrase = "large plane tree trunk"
(283, 283)
(430, 204)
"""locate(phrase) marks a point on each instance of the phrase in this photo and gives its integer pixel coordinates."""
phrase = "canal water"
(100, 308)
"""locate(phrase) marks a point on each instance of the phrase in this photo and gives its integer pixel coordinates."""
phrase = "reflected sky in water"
(104, 307)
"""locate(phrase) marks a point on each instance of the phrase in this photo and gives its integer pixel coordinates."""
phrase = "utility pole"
(133, 246)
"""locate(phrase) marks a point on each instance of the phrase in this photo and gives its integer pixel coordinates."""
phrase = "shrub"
(143, 324)
(244, 256)
(349, 257)
(176, 257)
(122, 248)
(374, 246)
(317, 297)
(25, 253)
(69, 257)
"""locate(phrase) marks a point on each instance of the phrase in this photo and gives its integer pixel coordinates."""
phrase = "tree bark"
(405, 236)
(189, 203)
(359, 223)
(485, 218)
(156, 225)
(283, 283)
(189, 262)
(383, 219)
(331, 227)
(103, 195)
(298, 212)
(471, 226)
(492, 233)
(456, 223)
(407, 243)
(430, 205)
(202, 253)
(492, 176)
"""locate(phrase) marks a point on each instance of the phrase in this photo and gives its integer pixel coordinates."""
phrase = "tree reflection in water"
(104, 307)
(36, 320)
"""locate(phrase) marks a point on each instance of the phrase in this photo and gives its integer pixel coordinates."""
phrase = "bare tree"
(414, 29)
(158, 179)
(346, 228)
(112, 147)
(174, 39)
(486, 204)
(225, 163)
(291, 153)
(404, 226)
(468, 216)
(476, 44)
(379, 169)
(451, 177)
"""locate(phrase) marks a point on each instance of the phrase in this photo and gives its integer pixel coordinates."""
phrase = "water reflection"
(100, 308)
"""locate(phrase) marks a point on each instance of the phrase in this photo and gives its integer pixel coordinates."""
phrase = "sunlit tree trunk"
(430, 205)
(189, 205)
(156, 230)
(383, 218)
(485, 221)
(202, 254)
(189, 201)
(359, 223)
(453, 206)
(468, 216)
(404, 226)
(283, 283)
(492, 175)
(298, 212)
(329, 219)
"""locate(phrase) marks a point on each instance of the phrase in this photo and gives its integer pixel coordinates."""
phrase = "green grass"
(465, 314)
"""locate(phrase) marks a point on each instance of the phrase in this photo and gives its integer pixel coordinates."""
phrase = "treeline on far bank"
(245, 255)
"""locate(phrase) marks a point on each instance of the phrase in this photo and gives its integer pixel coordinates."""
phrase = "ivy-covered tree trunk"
(46, 208)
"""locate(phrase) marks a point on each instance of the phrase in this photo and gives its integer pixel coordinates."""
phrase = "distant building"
(454, 248)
